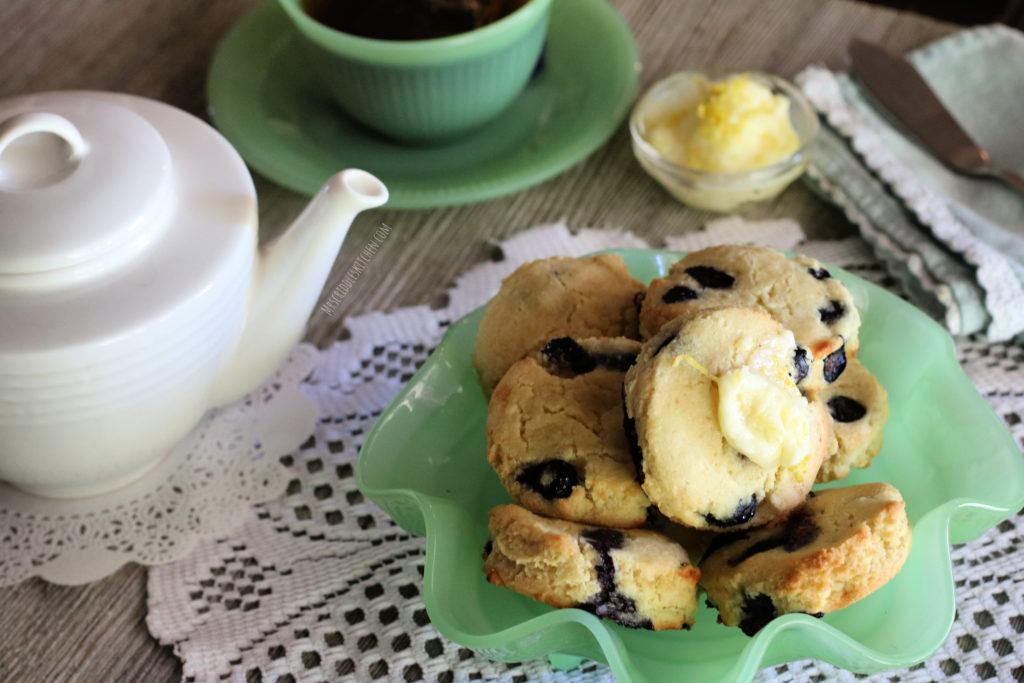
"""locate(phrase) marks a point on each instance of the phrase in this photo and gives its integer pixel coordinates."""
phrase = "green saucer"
(263, 99)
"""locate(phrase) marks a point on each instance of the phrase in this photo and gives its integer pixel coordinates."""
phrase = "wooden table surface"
(162, 50)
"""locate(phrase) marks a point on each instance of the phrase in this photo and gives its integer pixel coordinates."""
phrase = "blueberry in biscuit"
(565, 356)
(552, 298)
(634, 577)
(798, 292)
(555, 433)
(838, 547)
(858, 409)
(721, 435)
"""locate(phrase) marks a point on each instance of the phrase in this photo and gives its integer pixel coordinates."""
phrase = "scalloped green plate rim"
(263, 100)
(950, 455)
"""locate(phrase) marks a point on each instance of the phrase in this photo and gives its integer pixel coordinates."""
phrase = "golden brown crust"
(571, 565)
(862, 540)
(535, 418)
(765, 279)
(550, 298)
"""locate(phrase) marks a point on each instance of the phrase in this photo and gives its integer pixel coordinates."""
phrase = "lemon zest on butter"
(737, 125)
(690, 360)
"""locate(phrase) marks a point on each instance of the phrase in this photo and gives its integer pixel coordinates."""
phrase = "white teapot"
(133, 296)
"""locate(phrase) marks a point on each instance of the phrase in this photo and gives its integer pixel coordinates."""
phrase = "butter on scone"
(799, 292)
(722, 437)
(634, 577)
(554, 433)
(551, 298)
(836, 548)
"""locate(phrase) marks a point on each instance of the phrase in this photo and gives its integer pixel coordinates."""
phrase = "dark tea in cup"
(408, 19)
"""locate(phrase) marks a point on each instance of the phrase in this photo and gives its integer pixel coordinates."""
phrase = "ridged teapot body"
(133, 293)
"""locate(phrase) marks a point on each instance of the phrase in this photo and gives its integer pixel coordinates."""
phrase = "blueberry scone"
(722, 437)
(550, 298)
(634, 577)
(858, 408)
(799, 292)
(554, 433)
(836, 548)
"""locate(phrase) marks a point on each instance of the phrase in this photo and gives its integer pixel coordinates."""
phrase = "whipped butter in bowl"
(717, 143)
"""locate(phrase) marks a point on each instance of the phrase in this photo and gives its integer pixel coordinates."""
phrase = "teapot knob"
(38, 167)
(86, 185)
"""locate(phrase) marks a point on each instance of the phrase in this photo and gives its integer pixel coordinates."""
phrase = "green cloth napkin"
(955, 242)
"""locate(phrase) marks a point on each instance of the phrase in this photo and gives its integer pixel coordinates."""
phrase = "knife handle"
(1010, 178)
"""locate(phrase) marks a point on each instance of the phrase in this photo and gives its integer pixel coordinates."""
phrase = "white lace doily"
(204, 487)
(321, 585)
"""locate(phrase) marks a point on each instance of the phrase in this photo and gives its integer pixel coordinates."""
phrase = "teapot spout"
(288, 277)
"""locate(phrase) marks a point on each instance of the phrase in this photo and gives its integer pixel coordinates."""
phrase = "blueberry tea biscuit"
(634, 577)
(836, 548)
(723, 438)
(551, 298)
(858, 409)
(800, 293)
(554, 433)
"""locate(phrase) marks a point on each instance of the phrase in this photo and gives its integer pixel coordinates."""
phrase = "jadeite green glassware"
(266, 103)
(426, 90)
(714, 191)
(949, 454)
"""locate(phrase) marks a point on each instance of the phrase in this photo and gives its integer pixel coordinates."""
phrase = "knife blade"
(894, 82)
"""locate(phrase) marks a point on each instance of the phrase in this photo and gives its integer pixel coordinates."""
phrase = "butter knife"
(894, 82)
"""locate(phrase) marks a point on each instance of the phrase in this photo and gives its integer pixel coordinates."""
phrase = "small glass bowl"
(716, 191)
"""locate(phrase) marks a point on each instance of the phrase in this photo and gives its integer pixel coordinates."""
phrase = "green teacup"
(426, 91)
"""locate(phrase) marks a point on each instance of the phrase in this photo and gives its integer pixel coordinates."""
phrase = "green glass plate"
(949, 454)
(267, 105)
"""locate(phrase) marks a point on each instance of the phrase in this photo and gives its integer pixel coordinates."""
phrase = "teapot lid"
(80, 178)
(114, 209)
